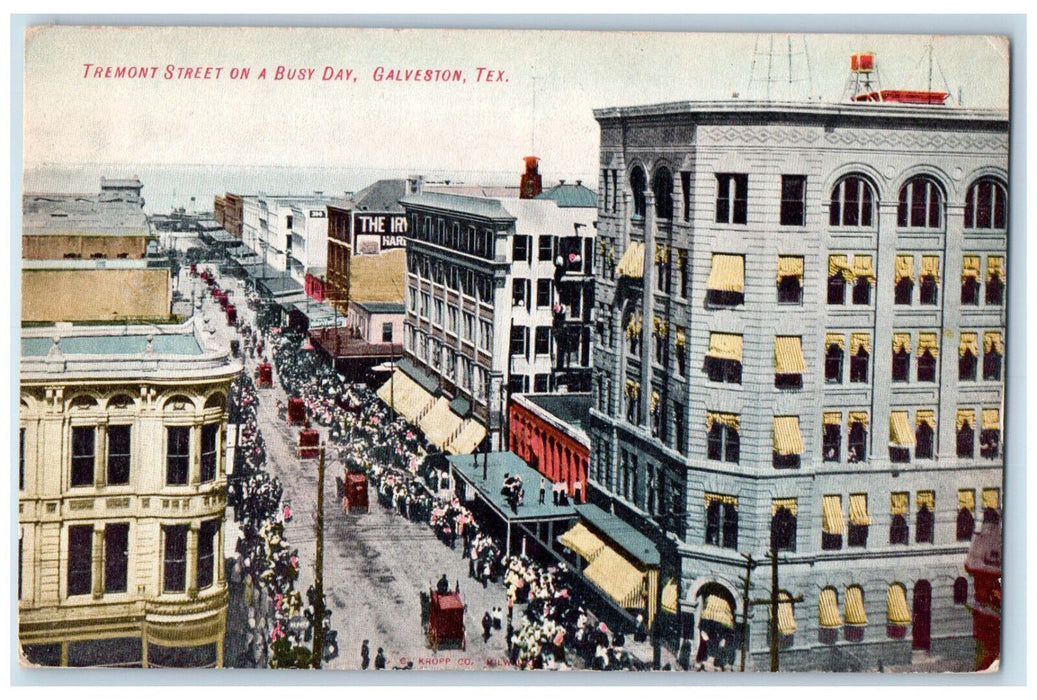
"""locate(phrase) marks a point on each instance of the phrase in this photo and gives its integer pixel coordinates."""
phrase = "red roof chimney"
(530, 185)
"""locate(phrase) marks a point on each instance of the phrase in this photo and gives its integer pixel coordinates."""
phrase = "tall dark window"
(853, 201)
(989, 442)
(837, 289)
(859, 365)
(831, 442)
(834, 364)
(730, 527)
(965, 440)
(722, 524)
(543, 340)
(208, 467)
(545, 248)
(995, 292)
(686, 193)
(732, 198)
(662, 187)
(793, 200)
(207, 552)
(928, 291)
(178, 453)
(899, 532)
(723, 442)
(966, 365)
(83, 456)
(116, 556)
(923, 441)
(783, 530)
(80, 559)
(543, 292)
(902, 291)
(862, 290)
(992, 363)
(680, 439)
(638, 184)
(961, 590)
(858, 442)
(924, 524)
(969, 291)
(518, 340)
(926, 367)
(790, 291)
(966, 525)
(986, 205)
(174, 559)
(920, 204)
(21, 458)
(118, 455)
(520, 248)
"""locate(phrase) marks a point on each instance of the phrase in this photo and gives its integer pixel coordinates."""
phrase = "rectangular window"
(857, 533)
(207, 541)
(469, 326)
(439, 312)
(387, 332)
(174, 559)
(898, 528)
(21, 458)
(924, 517)
(118, 455)
(80, 559)
(178, 452)
(543, 340)
(678, 427)
(732, 198)
(543, 293)
(520, 249)
(860, 349)
(722, 440)
(686, 193)
(793, 200)
(722, 521)
(209, 452)
(783, 524)
(83, 456)
(116, 556)
(790, 279)
(832, 438)
(518, 340)
(518, 292)
(545, 248)
(541, 383)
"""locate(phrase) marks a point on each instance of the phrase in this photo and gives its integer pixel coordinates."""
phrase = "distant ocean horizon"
(193, 187)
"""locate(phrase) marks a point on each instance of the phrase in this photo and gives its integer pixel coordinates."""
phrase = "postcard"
(510, 350)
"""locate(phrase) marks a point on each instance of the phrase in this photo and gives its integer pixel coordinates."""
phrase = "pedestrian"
(498, 618)
(543, 485)
(379, 660)
(443, 586)
(487, 625)
(365, 655)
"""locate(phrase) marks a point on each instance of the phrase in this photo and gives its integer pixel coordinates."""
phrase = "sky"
(540, 99)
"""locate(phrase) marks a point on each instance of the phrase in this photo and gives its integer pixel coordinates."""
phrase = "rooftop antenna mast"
(788, 74)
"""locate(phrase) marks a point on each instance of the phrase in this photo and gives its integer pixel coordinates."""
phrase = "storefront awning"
(472, 433)
(440, 424)
(632, 264)
(896, 605)
(788, 355)
(726, 274)
(828, 609)
(404, 395)
(620, 579)
(718, 610)
(725, 346)
(855, 614)
(582, 541)
(787, 440)
(900, 433)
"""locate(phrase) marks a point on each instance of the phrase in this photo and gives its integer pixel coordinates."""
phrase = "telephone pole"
(772, 602)
(746, 580)
(318, 575)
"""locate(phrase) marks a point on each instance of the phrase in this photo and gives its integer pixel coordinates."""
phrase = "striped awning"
(726, 273)
(790, 266)
(620, 579)
(854, 602)
(926, 416)
(788, 355)
(718, 610)
(862, 267)
(904, 268)
(786, 614)
(440, 423)
(970, 267)
(831, 418)
(857, 417)
(731, 420)
(582, 541)
(669, 597)
(991, 419)
(404, 395)
(925, 498)
(996, 267)
(896, 605)
(967, 499)
(859, 509)
(838, 264)
(991, 498)
(828, 609)
(931, 267)
(964, 415)
(787, 440)
(725, 346)
(901, 342)
(832, 515)
(992, 341)
(928, 342)
(898, 503)
(838, 339)
(788, 504)
(632, 264)
(472, 433)
(720, 498)
(900, 433)
(858, 341)
(967, 343)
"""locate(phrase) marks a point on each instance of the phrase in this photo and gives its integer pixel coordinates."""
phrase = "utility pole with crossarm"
(773, 602)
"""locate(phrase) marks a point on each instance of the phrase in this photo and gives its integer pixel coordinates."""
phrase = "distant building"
(227, 210)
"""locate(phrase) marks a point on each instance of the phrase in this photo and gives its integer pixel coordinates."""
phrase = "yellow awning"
(662, 253)
(679, 338)
(838, 264)
(970, 267)
(862, 267)
(991, 498)
(786, 614)
(659, 327)
(967, 343)
(725, 346)
(902, 341)
(927, 499)
(967, 499)
(900, 433)
(832, 418)
(718, 610)
(405, 395)
(996, 267)
(992, 341)
(731, 420)
(928, 341)
(788, 504)
(632, 264)
(582, 541)
(620, 579)
(857, 417)
(440, 424)
(726, 273)
(634, 325)
(858, 341)
(931, 267)
(834, 339)
(828, 609)
(790, 266)
(787, 440)
(832, 515)
(854, 601)
(669, 597)
(720, 497)
(926, 416)
(859, 509)
(468, 439)
(991, 419)
(964, 415)
(896, 605)
(788, 355)
(904, 268)
(898, 503)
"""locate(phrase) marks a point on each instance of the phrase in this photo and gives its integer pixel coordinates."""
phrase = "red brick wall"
(552, 452)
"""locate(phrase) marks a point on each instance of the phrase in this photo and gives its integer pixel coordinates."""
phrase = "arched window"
(966, 524)
(920, 204)
(986, 205)
(853, 202)
(961, 590)
(662, 187)
(638, 183)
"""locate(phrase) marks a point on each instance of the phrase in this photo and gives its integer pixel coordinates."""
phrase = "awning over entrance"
(472, 433)
(440, 423)
(404, 395)
(582, 541)
(620, 579)
(718, 610)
